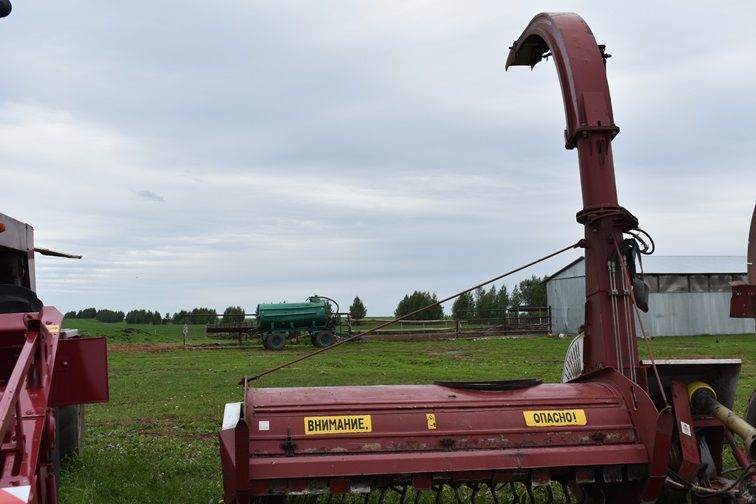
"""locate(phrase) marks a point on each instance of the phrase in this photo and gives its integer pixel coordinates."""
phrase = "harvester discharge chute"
(613, 433)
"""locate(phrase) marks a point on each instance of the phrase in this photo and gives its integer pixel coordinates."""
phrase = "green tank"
(311, 313)
(278, 322)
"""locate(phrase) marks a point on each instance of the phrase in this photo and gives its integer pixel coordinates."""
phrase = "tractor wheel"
(275, 341)
(323, 339)
(69, 433)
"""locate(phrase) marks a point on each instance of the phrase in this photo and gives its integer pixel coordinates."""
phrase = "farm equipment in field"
(277, 322)
(618, 431)
(46, 374)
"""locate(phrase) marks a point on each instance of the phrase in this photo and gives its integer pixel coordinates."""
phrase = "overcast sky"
(236, 152)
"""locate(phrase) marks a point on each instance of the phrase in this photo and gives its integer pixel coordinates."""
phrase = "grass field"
(156, 440)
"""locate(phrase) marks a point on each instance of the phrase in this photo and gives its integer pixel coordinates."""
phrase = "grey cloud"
(150, 196)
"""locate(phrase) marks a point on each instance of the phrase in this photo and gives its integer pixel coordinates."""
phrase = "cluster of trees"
(100, 315)
(480, 304)
(417, 300)
(196, 316)
(87, 313)
(530, 292)
(144, 317)
(233, 315)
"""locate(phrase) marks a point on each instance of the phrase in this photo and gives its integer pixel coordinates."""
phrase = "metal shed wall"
(688, 313)
(670, 313)
(565, 292)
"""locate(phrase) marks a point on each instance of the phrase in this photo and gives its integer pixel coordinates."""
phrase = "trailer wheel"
(69, 433)
(323, 339)
(275, 341)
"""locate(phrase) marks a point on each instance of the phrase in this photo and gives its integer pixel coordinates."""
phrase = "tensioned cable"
(419, 310)
(646, 339)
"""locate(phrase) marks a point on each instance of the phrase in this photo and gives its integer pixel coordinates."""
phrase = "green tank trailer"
(277, 322)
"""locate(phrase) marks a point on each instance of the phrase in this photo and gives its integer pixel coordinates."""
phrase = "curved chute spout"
(581, 66)
(609, 329)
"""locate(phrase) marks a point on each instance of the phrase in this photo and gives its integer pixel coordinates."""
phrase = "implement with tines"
(616, 432)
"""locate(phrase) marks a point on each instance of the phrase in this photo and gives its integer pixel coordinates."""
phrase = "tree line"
(202, 315)
(480, 304)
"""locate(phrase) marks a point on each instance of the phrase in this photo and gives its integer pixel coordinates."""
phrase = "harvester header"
(616, 432)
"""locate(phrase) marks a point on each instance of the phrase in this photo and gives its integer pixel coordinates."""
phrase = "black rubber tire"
(323, 339)
(69, 433)
(5, 8)
(275, 341)
(69, 424)
(17, 299)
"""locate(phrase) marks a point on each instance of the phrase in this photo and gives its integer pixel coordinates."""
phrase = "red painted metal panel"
(474, 435)
(325, 466)
(81, 372)
(685, 431)
(463, 419)
(743, 301)
(228, 466)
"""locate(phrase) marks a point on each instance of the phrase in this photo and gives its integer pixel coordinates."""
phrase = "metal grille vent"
(573, 361)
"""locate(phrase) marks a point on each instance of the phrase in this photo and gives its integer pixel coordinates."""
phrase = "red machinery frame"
(40, 370)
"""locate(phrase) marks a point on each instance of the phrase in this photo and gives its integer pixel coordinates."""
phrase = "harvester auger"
(617, 432)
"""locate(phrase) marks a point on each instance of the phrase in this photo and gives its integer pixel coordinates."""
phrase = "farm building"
(688, 295)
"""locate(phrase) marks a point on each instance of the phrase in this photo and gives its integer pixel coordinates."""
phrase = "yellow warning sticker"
(431, 418)
(337, 424)
(53, 328)
(551, 418)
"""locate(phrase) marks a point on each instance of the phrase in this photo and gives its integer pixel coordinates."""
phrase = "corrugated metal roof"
(685, 264)
(694, 264)
(579, 259)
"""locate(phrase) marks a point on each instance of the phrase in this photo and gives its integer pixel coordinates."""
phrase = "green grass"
(121, 332)
(156, 440)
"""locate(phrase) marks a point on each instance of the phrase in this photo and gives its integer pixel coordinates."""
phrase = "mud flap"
(659, 456)
(80, 374)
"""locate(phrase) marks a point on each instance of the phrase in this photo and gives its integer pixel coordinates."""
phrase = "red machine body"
(602, 434)
(432, 433)
(41, 371)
